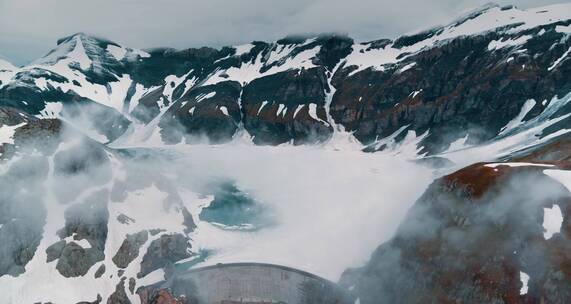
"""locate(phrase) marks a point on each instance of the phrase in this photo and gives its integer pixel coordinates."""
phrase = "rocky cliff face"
(476, 235)
(469, 78)
(473, 85)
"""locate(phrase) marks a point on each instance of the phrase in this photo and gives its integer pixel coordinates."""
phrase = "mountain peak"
(89, 51)
(492, 16)
(69, 47)
(86, 37)
(69, 38)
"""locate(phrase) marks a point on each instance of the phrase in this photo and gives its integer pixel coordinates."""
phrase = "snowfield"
(330, 207)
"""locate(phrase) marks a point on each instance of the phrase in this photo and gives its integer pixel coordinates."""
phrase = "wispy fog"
(326, 207)
(332, 207)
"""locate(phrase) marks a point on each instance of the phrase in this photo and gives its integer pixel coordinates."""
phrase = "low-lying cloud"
(29, 28)
(329, 207)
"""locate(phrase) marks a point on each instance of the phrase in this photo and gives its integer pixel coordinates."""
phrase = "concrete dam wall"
(250, 283)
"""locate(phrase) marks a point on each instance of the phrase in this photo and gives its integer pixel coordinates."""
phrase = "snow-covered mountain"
(301, 88)
(123, 167)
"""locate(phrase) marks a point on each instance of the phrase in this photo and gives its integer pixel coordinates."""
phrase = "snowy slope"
(7, 71)
(126, 80)
(509, 20)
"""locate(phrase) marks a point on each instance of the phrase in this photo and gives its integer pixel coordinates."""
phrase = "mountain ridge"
(121, 168)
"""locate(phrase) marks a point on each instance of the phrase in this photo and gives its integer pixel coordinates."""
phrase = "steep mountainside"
(469, 78)
(476, 236)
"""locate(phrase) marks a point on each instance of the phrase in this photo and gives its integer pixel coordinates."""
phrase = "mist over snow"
(328, 206)
(332, 207)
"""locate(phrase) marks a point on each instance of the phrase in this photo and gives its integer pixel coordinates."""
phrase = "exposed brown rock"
(467, 239)
(129, 249)
(164, 251)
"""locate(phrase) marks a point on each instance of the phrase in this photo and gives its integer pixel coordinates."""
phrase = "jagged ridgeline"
(469, 78)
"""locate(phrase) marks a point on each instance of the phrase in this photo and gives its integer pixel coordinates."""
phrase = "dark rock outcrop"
(84, 221)
(468, 238)
(75, 260)
(164, 251)
(55, 250)
(188, 221)
(209, 112)
(119, 296)
(129, 249)
(32, 135)
(100, 271)
(457, 88)
(287, 106)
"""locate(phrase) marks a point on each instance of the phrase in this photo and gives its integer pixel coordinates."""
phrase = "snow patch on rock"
(552, 220)
(524, 281)
(527, 106)
(499, 44)
(7, 133)
(117, 51)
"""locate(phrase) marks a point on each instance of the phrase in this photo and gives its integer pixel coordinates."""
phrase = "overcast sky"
(30, 28)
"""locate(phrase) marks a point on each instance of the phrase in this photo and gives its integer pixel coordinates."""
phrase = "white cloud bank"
(28, 28)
